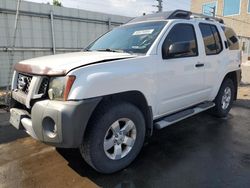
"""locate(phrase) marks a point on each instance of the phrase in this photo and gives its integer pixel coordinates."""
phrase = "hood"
(61, 64)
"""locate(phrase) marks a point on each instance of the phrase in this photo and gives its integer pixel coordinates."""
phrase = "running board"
(171, 119)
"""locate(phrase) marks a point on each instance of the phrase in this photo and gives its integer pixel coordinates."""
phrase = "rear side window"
(232, 39)
(182, 33)
(211, 38)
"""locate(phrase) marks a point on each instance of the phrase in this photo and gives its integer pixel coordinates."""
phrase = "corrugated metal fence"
(43, 29)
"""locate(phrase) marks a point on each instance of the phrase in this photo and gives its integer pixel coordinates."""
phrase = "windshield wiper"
(87, 50)
(110, 50)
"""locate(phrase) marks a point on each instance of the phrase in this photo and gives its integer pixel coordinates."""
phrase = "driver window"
(180, 36)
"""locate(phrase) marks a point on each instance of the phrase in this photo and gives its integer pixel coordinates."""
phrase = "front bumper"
(57, 123)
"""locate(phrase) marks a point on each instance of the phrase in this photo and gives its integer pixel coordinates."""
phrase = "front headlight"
(59, 87)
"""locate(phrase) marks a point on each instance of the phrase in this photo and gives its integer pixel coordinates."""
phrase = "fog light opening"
(49, 127)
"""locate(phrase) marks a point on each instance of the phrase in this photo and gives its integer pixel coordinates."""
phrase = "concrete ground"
(201, 151)
(246, 73)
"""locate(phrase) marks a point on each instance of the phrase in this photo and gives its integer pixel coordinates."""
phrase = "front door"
(181, 76)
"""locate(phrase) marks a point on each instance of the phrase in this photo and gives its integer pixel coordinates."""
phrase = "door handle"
(199, 65)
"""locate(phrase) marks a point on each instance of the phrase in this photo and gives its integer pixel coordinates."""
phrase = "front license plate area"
(15, 117)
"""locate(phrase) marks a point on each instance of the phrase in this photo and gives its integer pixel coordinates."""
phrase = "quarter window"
(232, 39)
(231, 7)
(183, 36)
(211, 39)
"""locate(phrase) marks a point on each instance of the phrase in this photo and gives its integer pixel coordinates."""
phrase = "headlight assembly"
(59, 87)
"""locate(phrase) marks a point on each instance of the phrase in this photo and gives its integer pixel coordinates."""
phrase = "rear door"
(214, 56)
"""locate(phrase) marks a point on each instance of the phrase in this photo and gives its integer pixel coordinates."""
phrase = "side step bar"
(173, 118)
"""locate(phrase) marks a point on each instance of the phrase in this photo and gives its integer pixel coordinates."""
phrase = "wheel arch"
(134, 97)
(235, 77)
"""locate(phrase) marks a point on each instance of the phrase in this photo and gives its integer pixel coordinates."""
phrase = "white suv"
(147, 74)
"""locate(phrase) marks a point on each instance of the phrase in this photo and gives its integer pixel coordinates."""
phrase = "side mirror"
(176, 49)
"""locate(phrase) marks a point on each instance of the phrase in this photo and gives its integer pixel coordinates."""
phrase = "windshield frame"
(165, 23)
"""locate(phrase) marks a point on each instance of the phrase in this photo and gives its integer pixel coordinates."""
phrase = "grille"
(23, 83)
(44, 86)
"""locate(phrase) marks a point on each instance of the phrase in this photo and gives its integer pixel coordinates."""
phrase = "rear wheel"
(114, 137)
(224, 99)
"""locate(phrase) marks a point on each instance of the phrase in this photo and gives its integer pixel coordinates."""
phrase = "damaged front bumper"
(57, 123)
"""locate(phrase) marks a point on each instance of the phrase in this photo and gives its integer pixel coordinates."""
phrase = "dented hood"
(61, 64)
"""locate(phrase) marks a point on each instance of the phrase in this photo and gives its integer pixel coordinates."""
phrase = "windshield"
(135, 38)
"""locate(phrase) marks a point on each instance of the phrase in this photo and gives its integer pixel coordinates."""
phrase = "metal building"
(73, 29)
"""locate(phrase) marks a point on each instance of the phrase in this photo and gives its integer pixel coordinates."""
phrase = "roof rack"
(195, 15)
(177, 14)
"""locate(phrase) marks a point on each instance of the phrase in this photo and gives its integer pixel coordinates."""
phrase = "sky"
(122, 7)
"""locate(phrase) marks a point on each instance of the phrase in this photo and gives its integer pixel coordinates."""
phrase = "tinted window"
(232, 39)
(211, 39)
(181, 33)
(217, 38)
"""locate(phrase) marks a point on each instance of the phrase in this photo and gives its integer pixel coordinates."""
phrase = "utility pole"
(159, 6)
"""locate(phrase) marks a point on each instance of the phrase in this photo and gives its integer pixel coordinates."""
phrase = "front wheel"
(224, 99)
(114, 137)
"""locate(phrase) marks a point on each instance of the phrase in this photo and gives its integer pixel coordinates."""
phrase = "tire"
(100, 131)
(221, 108)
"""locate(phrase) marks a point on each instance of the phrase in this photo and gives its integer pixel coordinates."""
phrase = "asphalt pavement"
(202, 151)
